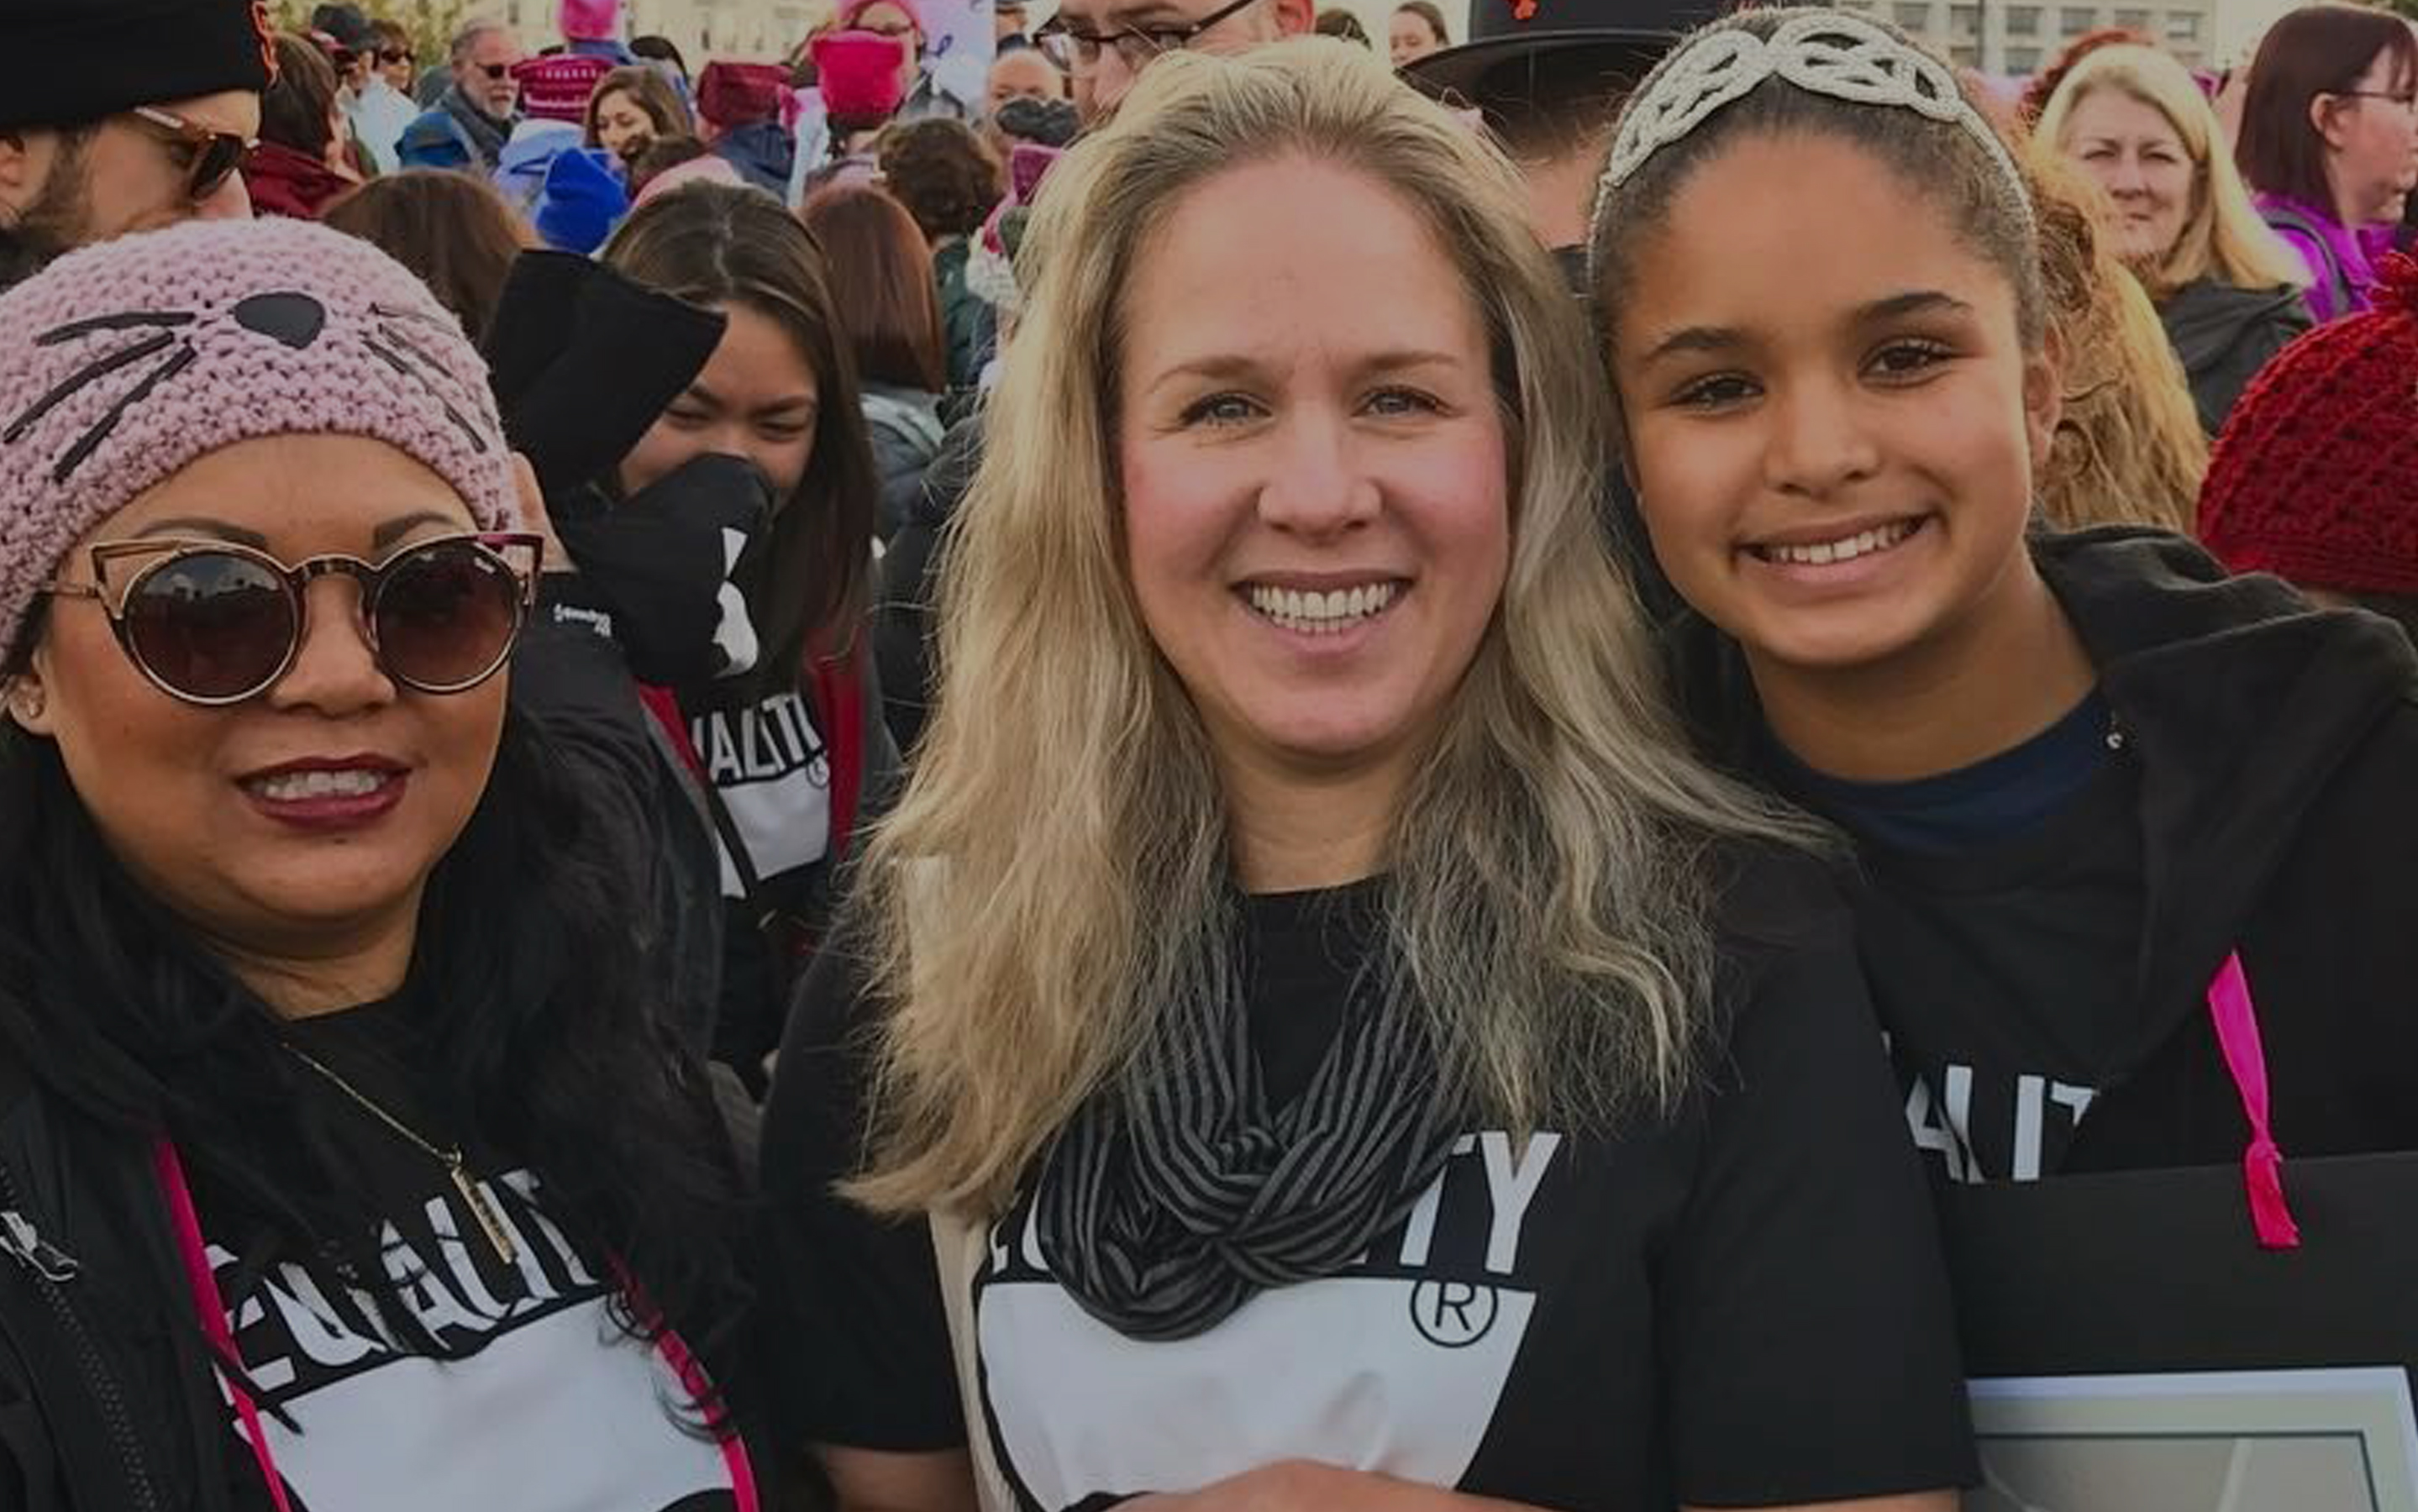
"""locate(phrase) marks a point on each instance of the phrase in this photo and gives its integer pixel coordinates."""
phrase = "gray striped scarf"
(1164, 1209)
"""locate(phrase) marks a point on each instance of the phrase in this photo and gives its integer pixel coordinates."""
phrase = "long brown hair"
(2316, 49)
(651, 93)
(807, 585)
(452, 229)
(881, 272)
(298, 110)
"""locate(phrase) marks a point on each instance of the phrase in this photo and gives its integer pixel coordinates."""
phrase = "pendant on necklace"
(500, 1238)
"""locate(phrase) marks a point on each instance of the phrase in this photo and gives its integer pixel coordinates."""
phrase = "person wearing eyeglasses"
(2330, 142)
(118, 117)
(1105, 44)
(377, 110)
(347, 1159)
(397, 63)
(470, 124)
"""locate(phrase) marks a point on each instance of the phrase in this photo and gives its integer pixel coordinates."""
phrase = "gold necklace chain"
(499, 1237)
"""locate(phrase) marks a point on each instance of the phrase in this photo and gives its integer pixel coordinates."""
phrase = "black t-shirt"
(769, 771)
(2001, 933)
(1742, 1305)
(555, 1408)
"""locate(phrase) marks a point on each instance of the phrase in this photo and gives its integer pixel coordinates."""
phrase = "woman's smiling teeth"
(302, 786)
(1845, 549)
(1317, 614)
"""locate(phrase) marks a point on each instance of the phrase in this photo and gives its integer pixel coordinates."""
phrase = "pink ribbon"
(2262, 1164)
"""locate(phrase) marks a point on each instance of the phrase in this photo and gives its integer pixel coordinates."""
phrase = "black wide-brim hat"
(72, 62)
(1512, 43)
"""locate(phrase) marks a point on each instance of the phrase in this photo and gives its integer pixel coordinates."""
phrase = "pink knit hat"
(591, 21)
(122, 363)
(858, 73)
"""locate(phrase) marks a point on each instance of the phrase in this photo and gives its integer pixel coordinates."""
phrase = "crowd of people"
(1249, 777)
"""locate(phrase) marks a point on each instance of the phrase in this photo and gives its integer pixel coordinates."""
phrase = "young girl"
(788, 741)
(1331, 1048)
(2086, 774)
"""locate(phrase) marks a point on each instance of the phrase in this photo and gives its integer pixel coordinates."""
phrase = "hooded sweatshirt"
(2225, 334)
(762, 151)
(2044, 991)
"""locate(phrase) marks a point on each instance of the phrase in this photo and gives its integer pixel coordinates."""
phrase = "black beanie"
(70, 62)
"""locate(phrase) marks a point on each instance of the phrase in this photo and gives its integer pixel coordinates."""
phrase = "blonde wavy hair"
(1057, 875)
(2129, 448)
(2223, 237)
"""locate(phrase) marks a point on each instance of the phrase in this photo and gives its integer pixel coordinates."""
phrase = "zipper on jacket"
(19, 1239)
(51, 1268)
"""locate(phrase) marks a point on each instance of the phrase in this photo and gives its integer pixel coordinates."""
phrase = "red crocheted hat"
(732, 95)
(2315, 477)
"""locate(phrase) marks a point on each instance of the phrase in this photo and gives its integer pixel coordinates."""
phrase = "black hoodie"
(2262, 801)
(2225, 335)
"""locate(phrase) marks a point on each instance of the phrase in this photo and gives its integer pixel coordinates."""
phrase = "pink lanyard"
(2262, 1164)
(211, 1306)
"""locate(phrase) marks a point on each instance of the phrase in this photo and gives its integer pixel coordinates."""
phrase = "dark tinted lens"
(211, 624)
(446, 616)
(216, 162)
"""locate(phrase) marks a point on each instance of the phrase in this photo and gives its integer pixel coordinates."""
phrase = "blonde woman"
(2227, 291)
(1309, 1037)
(2127, 448)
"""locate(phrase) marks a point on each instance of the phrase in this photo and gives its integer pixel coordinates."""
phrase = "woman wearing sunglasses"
(341, 1162)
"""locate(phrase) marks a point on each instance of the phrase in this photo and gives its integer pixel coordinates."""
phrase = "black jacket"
(904, 425)
(107, 1403)
(2276, 746)
(2225, 335)
(907, 585)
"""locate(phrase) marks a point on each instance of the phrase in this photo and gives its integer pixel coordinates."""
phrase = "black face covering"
(583, 362)
(660, 563)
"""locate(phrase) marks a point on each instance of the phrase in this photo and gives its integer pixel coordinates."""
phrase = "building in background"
(2019, 38)
(741, 30)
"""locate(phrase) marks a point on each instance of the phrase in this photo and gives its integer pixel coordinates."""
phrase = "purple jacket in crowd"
(2342, 261)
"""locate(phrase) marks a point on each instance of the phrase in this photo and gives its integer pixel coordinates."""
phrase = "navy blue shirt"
(1953, 811)
(2001, 929)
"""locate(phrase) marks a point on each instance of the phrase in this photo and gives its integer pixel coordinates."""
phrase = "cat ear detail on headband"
(1825, 53)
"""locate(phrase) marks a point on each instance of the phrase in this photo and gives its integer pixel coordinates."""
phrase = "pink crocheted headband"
(122, 363)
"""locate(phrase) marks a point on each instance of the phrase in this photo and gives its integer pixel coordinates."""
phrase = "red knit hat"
(557, 88)
(2315, 477)
(732, 95)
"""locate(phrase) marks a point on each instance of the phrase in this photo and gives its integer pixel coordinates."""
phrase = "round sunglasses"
(215, 623)
(209, 158)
